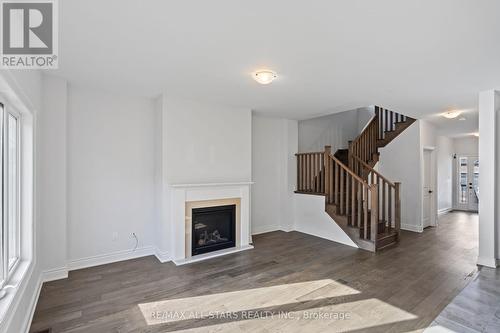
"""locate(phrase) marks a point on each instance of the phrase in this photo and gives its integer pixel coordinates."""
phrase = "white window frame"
(8, 269)
(19, 278)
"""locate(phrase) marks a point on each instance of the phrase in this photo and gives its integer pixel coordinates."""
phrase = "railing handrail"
(366, 165)
(370, 123)
(310, 153)
(349, 171)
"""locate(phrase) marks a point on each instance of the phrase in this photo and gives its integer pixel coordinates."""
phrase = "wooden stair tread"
(384, 238)
(384, 235)
(310, 193)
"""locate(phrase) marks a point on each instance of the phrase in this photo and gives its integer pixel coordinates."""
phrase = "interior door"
(427, 190)
(468, 183)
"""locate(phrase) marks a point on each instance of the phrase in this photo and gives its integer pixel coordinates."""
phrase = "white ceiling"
(417, 57)
(464, 125)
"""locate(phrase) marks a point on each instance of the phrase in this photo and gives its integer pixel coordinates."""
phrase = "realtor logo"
(29, 34)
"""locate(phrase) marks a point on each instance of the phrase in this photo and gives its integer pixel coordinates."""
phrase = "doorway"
(468, 183)
(428, 210)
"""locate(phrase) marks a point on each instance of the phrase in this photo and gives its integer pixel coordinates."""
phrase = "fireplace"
(213, 228)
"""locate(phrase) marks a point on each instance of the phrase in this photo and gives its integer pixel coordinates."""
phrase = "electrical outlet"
(114, 236)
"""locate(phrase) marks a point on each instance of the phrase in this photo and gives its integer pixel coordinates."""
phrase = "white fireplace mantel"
(184, 193)
(210, 184)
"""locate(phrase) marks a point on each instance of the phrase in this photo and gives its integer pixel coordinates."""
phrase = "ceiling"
(418, 57)
(466, 124)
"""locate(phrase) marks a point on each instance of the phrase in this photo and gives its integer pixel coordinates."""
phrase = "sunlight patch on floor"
(242, 300)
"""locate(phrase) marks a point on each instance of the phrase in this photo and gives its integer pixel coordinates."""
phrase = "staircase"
(365, 204)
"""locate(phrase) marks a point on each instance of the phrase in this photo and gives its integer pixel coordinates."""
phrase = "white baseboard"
(444, 210)
(265, 228)
(411, 227)
(488, 262)
(287, 228)
(162, 256)
(46, 276)
(33, 303)
(111, 257)
(54, 274)
(62, 272)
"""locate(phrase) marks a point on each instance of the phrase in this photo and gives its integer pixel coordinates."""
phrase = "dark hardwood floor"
(290, 282)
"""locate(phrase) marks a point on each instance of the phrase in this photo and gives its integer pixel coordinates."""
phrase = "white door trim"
(433, 201)
(456, 178)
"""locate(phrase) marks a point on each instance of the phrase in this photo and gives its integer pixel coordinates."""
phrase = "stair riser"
(392, 240)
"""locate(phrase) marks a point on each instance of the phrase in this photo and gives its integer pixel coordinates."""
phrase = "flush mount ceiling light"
(451, 114)
(264, 76)
(476, 135)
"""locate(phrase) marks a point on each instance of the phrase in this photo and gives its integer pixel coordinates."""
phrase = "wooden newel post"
(374, 213)
(350, 162)
(397, 208)
(297, 186)
(326, 168)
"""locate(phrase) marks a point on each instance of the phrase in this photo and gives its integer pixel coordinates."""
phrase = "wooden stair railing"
(365, 204)
(365, 145)
(389, 205)
(388, 120)
(310, 173)
(353, 202)
(390, 125)
(351, 196)
(382, 129)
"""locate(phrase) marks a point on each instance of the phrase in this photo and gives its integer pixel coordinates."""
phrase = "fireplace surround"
(184, 198)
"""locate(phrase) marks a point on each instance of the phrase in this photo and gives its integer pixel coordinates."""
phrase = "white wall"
(161, 191)
(289, 179)
(27, 85)
(311, 218)
(111, 173)
(52, 174)
(445, 150)
(335, 130)
(400, 161)
(274, 143)
(468, 146)
(206, 143)
(428, 136)
(364, 115)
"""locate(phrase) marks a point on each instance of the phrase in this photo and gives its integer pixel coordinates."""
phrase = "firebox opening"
(213, 228)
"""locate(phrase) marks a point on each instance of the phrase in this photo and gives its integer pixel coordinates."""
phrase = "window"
(476, 178)
(463, 173)
(9, 194)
